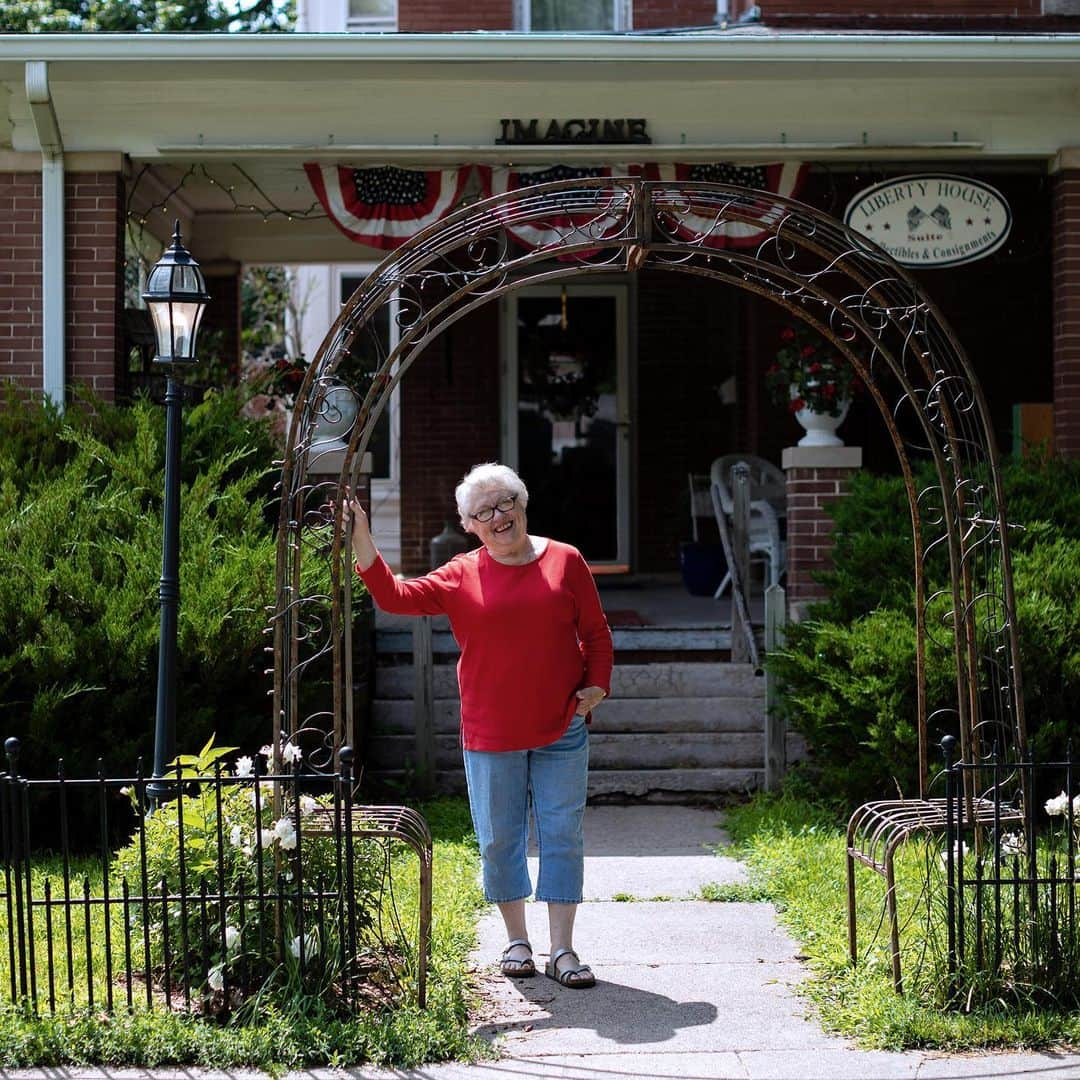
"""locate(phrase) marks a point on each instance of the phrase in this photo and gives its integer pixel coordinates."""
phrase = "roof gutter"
(755, 46)
(39, 97)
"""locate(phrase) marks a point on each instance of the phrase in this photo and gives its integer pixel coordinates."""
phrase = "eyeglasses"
(504, 506)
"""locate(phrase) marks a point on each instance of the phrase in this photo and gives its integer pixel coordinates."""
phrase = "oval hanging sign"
(933, 220)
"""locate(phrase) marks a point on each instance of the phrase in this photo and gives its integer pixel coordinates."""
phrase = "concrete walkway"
(687, 988)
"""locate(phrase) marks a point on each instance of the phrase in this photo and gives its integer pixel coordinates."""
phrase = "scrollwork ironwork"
(850, 291)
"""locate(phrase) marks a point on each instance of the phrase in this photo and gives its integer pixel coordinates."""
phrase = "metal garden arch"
(843, 285)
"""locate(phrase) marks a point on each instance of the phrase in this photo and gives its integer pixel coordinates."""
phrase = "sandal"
(517, 969)
(579, 977)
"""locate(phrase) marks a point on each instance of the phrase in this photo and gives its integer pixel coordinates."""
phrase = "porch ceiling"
(192, 97)
(247, 110)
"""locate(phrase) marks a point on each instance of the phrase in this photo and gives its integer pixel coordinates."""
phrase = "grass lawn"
(795, 853)
(300, 1033)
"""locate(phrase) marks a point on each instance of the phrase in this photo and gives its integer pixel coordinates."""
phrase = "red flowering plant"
(809, 373)
(282, 378)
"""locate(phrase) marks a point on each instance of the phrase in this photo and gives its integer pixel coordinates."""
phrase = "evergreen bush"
(80, 553)
(848, 672)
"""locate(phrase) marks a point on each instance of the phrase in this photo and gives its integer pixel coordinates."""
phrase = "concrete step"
(666, 679)
(398, 640)
(662, 785)
(659, 715)
(607, 750)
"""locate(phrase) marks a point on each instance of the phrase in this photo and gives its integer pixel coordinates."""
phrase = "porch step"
(626, 639)
(607, 750)
(630, 715)
(671, 730)
(669, 679)
(618, 785)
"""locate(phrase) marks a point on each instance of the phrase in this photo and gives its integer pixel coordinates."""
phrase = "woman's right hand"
(362, 543)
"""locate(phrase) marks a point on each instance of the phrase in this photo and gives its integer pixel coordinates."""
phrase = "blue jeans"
(501, 784)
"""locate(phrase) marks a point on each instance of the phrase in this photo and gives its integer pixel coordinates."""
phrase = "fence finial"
(948, 745)
(11, 748)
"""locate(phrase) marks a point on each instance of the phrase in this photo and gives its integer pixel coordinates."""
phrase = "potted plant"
(814, 381)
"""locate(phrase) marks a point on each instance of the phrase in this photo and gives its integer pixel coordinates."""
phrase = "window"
(367, 15)
(573, 16)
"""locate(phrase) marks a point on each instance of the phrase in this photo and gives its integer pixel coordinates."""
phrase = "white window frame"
(371, 24)
(623, 18)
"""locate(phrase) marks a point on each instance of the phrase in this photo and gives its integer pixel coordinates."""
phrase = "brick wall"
(20, 278)
(898, 9)
(93, 224)
(656, 14)
(1066, 233)
(809, 527)
(223, 315)
(449, 422)
(684, 353)
(438, 16)
(94, 234)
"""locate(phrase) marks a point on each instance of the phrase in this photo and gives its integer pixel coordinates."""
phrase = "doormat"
(625, 617)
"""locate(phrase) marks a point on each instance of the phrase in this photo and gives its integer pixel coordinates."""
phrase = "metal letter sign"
(933, 220)
(516, 132)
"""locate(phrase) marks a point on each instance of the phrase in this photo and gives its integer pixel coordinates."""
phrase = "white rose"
(216, 978)
(232, 938)
(291, 753)
(285, 833)
(308, 805)
(1057, 806)
(311, 945)
(245, 766)
(236, 836)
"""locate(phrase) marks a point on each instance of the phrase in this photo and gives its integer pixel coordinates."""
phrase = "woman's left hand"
(588, 698)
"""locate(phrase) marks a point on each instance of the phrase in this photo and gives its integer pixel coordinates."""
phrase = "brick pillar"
(816, 477)
(20, 279)
(1066, 234)
(94, 239)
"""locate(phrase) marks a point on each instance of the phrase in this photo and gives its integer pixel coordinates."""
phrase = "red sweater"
(530, 636)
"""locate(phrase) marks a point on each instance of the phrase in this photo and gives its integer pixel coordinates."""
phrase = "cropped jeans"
(501, 786)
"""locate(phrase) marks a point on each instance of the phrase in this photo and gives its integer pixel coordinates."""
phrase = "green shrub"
(851, 690)
(244, 837)
(80, 550)
(1047, 583)
(848, 673)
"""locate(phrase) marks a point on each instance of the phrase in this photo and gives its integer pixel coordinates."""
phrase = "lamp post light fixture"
(176, 296)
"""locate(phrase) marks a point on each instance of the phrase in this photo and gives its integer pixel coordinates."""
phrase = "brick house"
(104, 133)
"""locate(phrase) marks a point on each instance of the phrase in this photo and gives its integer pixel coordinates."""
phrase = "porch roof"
(265, 104)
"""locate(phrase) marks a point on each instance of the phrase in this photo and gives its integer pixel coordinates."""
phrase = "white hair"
(491, 476)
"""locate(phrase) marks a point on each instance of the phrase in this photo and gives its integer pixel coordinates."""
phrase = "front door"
(566, 414)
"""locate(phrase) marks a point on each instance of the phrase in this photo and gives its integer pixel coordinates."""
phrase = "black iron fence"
(1011, 881)
(238, 886)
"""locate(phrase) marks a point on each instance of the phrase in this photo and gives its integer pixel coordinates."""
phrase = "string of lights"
(267, 207)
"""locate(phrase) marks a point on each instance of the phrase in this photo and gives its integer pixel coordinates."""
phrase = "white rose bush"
(239, 886)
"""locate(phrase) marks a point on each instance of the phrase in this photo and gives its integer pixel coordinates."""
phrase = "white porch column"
(52, 230)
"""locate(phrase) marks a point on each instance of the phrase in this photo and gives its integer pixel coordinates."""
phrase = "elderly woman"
(536, 660)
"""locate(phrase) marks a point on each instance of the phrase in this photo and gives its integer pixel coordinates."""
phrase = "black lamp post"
(176, 296)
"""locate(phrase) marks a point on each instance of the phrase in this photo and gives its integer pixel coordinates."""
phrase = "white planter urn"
(821, 428)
